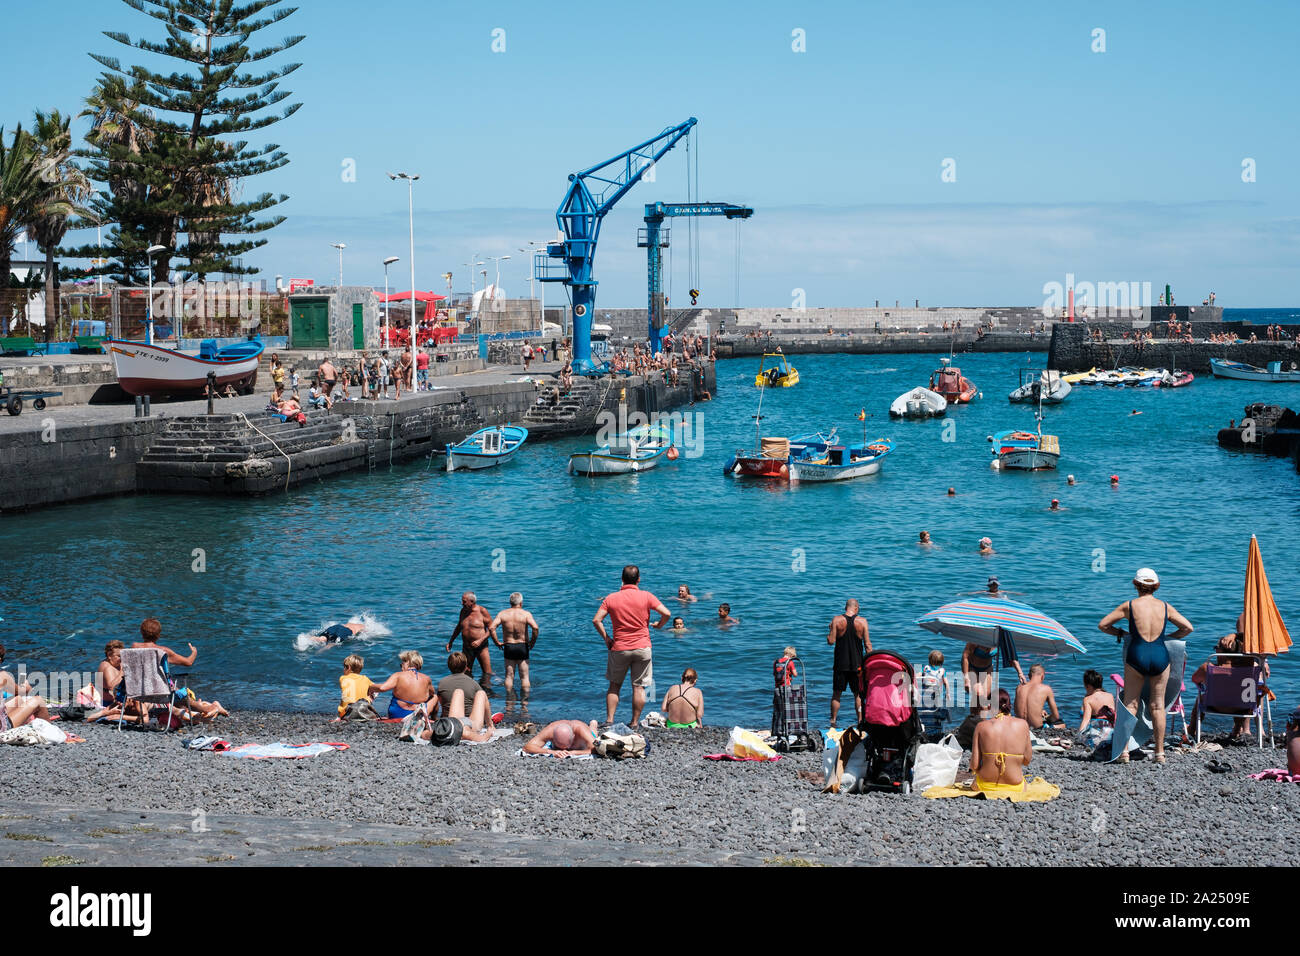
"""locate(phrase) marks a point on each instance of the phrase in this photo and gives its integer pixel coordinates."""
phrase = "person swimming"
(338, 633)
(924, 540)
(1055, 505)
(679, 626)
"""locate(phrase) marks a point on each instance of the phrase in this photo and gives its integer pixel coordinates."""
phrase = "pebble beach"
(671, 807)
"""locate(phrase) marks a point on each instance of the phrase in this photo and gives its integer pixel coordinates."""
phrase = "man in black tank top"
(852, 641)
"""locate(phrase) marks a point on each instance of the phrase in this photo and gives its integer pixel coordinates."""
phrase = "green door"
(310, 324)
(358, 327)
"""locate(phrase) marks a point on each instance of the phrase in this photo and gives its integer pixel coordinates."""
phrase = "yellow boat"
(780, 374)
(1078, 376)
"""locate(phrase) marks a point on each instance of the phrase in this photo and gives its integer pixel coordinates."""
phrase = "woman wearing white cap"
(1146, 659)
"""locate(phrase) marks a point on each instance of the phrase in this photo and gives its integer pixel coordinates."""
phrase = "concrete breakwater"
(242, 450)
(870, 343)
(1074, 350)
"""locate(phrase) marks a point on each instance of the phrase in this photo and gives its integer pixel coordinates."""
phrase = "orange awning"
(1266, 633)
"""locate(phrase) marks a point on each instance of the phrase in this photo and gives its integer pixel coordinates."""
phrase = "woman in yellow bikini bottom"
(997, 786)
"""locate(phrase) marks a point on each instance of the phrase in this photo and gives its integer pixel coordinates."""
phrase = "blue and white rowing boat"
(486, 448)
(826, 459)
(1225, 368)
(638, 449)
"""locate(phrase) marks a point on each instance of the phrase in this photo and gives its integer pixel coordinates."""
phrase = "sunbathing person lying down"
(477, 727)
(568, 738)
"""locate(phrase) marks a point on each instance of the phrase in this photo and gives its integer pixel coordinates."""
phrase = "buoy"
(672, 452)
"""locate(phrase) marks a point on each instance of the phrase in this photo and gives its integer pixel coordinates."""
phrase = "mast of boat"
(758, 419)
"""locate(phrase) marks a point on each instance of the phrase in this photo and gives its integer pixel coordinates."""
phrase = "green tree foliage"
(169, 147)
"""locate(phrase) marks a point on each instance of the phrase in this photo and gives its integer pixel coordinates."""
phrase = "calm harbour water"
(401, 545)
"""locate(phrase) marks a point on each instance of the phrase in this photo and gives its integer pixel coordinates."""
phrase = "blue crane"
(591, 194)
(654, 238)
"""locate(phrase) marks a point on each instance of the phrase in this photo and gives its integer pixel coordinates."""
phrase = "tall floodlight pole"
(410, 191)
(148, 328)
(387, 262)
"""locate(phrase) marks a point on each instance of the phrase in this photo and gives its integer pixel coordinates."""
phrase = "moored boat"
(781, 374)
(144, 369)
(1046, 385)
(919, 403)
(1177, 379)
(1075, 378)
(948, 381)
(828, 460)
(638, 449)
(1274, 372)
(1025, 451)
(486, 448)
(770, 460)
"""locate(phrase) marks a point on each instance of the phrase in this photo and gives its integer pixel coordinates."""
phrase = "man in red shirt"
(629, 610)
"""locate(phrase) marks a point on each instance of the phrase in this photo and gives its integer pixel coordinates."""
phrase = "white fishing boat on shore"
(144, 369)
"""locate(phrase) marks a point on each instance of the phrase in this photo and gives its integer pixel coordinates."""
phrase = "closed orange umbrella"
(1265, 631)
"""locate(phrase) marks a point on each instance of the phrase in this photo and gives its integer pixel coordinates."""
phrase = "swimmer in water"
(338, 633)
(724, 616)
(684, 594)
(1054, 506)
(986, 546)
(1114, 481)
(1069, 479)
(952, 492)
(1134, 412)
(925, 541)
(679, 626)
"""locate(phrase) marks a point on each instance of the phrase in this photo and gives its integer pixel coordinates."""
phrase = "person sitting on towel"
(1001, 750)
(1098, 704)
(684, 702)
(477, 727)
(1032, 697)
(567, 738)
(1293, 743)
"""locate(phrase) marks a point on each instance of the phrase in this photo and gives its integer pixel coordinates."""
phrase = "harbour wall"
(738, 346)
(1073, 350)
(49, 463)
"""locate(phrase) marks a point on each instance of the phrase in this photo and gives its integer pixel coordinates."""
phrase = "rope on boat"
(288, 460)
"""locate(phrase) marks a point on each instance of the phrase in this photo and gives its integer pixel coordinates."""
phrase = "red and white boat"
(150, 370)
(951, 384)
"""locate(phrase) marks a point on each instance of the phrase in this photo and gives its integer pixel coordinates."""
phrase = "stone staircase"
(569, 413)
(236, 455)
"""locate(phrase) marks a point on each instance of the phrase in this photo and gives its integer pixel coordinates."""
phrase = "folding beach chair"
(148, 681)
(1236, 690)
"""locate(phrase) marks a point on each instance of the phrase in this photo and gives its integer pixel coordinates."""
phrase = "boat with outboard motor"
(919, 403)
(781, 374)
(827, 459)
(1047, 385)
(486, 448)
(948, 381)
(638, 449)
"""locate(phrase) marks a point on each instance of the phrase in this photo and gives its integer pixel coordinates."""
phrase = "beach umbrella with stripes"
(990, 622)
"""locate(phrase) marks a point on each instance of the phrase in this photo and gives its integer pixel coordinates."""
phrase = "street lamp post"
(387, 262)
(410, 192)
(148, 328)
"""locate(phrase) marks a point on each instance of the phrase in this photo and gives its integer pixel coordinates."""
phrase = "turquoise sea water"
(402, 544)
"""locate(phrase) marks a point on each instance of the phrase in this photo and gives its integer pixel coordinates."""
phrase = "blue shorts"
(396, 711)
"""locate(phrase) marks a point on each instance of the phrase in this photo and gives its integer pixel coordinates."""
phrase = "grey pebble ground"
(672, 807)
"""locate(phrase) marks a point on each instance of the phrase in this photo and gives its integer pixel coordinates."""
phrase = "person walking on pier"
(629, 609)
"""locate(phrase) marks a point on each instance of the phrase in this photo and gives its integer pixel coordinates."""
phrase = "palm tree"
(47, 222)
(23, 188)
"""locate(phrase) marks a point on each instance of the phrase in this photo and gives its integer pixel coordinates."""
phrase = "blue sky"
(1123, 165)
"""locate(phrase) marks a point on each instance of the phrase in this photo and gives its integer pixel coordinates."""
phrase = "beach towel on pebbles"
(34, 733)
(282, 750)
(497, 734)
(549, 754)
(1037, 790)
(1275, 773)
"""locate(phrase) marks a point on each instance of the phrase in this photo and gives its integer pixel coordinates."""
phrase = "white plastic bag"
(936, 764)
(855, 769)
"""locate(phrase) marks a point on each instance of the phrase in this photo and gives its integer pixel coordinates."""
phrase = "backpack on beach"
(619, 746)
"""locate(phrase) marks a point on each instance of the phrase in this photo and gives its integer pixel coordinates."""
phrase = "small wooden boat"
(1025, 451)
(144, 369)
(1046, 385)
(780, 374)
(951, 384)
(828, 460)
(639, 449)
(1226, 368)
(486, 448)
(919, 403)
